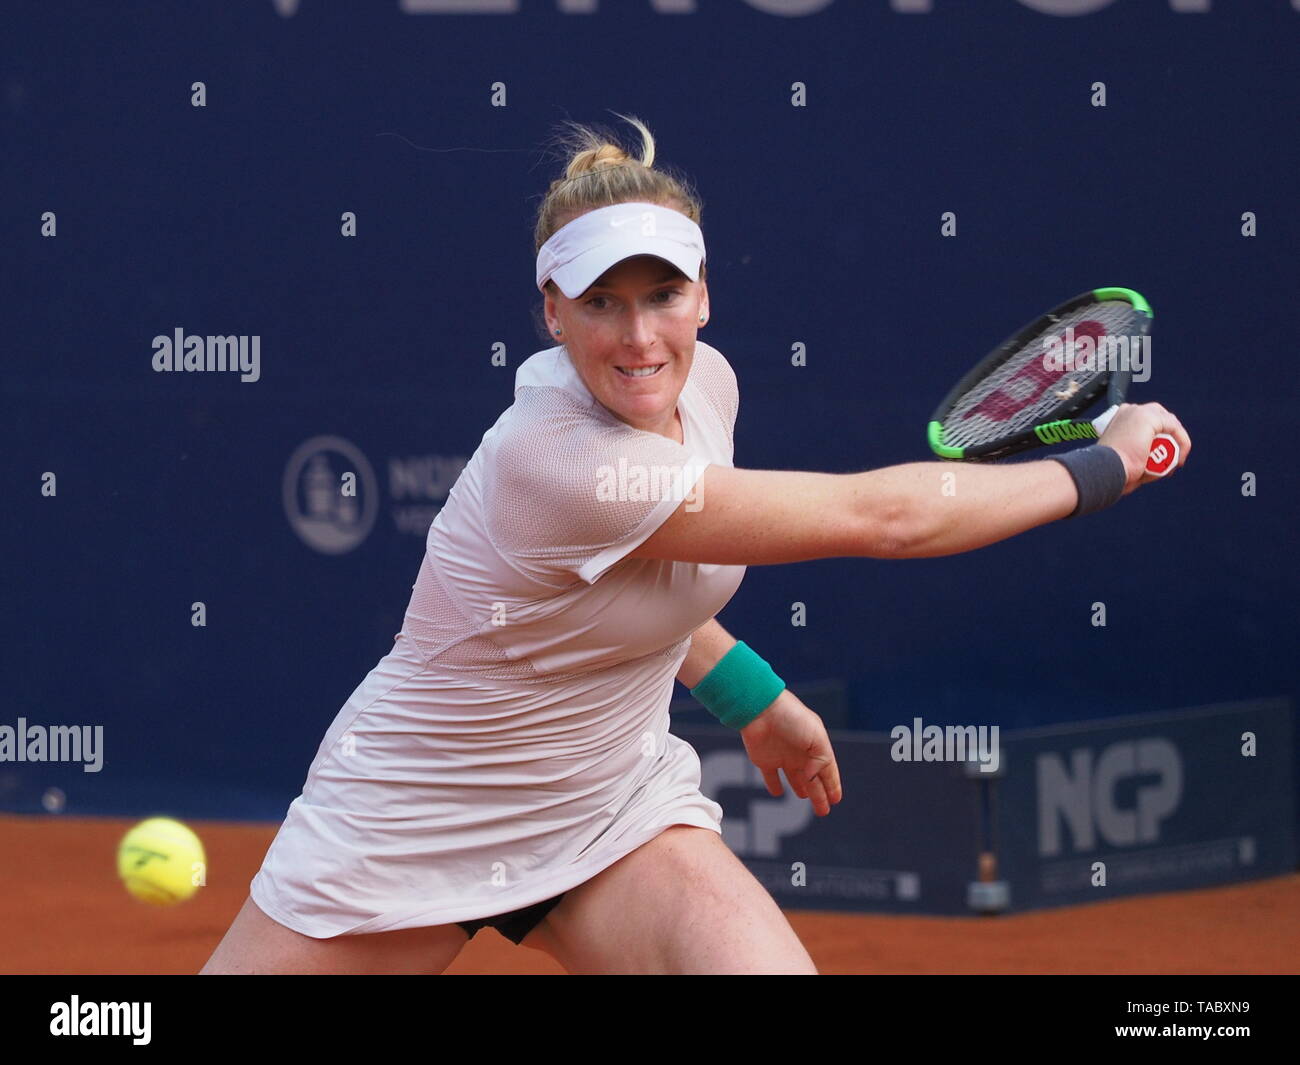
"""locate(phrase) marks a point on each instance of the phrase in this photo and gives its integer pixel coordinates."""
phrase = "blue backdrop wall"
(828, 139)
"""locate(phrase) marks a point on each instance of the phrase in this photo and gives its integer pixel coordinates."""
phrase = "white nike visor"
(578, 253)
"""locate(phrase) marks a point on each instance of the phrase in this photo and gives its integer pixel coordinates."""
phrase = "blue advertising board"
(1161, 802)
(903, 839)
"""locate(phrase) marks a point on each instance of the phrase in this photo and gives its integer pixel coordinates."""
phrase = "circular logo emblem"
(331, 496)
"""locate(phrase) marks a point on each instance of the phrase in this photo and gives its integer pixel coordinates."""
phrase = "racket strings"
(1027, 387)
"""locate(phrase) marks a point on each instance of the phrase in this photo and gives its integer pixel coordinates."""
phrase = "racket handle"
(1164, 448)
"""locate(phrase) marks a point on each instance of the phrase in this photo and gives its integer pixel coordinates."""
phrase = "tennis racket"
(1031, 390)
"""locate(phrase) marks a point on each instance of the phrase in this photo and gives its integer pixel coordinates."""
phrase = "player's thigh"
(681, 903)
(255, 944)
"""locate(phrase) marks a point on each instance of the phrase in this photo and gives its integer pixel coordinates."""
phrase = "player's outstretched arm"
(915, 510)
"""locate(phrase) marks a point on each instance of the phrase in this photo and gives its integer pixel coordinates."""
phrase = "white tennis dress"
(515, 740)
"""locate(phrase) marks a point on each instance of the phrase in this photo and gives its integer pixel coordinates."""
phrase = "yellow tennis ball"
(161, 861)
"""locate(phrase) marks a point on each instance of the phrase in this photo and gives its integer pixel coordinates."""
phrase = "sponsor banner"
(332, 496)
(1159, 802)
(902, 840)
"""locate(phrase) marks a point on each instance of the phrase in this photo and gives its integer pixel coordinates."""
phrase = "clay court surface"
(62, 910)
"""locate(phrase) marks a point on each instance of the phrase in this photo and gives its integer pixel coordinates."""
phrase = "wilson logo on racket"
(1008, 401)
(1164, 453)
(1055, 432)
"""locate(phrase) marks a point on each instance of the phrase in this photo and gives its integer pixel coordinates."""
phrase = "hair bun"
(602, 157)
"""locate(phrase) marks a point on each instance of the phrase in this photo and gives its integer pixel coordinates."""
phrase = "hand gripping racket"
(1032, 388)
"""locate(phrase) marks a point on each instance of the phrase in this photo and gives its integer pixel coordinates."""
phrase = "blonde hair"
(599, 172)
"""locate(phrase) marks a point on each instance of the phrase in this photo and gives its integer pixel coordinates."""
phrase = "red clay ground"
(62, 910)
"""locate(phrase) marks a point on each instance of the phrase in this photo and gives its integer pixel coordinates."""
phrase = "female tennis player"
(509, 762)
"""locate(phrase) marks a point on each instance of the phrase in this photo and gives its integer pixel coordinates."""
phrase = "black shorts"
(516, 924)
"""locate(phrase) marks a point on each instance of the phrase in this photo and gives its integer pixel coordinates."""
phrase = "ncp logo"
(767, 820)
(331, 495)
(1123, 798)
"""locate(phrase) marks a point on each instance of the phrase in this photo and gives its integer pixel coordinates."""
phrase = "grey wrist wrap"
(1098, 474)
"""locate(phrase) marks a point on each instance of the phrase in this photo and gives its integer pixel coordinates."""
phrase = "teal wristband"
(739, 688)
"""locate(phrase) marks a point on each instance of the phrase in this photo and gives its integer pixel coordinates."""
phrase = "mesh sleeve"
(717, 380)
(572, 493)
